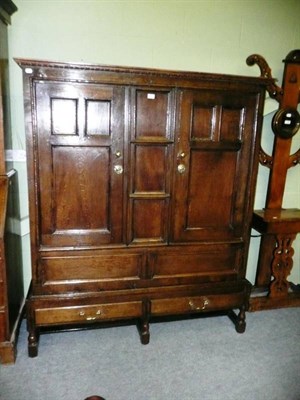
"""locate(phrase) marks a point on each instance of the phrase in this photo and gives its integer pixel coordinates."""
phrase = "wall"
(203, 35)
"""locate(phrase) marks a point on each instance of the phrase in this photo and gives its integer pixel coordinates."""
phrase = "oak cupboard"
(141, 186)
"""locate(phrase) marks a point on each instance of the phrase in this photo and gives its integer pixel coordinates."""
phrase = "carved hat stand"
(278, 226)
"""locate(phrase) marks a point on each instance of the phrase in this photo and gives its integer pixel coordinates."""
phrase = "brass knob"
(181, 168)
(196, 307)
(118, 154)
(118, 169)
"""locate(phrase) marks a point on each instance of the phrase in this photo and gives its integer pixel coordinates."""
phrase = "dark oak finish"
(141, 190)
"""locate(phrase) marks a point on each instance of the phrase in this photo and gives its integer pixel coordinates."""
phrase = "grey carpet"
(198, 359)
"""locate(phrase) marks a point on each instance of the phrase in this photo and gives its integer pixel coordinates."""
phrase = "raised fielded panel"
(80, 146)
(215, 137)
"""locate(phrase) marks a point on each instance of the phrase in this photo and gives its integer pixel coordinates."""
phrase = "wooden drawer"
(190, 304)
(87, 313)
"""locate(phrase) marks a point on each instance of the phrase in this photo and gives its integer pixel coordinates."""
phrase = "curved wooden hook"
(274, 90)
(265, 159)
(294, 159)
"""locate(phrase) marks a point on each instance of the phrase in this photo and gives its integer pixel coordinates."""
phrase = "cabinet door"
(80, 163)
(213, 176)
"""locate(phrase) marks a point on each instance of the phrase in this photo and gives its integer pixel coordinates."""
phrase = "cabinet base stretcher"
(79, 310)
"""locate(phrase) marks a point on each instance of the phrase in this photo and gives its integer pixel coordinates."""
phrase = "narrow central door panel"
(151, 144)
(80, 158)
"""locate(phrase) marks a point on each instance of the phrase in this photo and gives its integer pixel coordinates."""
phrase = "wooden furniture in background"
(141, 186)
(7, 8)
(11, 278)
(278, 226)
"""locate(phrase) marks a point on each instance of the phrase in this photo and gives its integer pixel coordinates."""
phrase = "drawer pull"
(196, 307)
(90, 318)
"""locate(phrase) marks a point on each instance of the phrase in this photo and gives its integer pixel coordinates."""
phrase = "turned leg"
(144, 332)
(33, 334)
(239, 319)
(33, 341)
(240, 325)
(144, 322)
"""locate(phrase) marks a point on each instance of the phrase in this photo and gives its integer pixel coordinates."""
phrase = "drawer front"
(191, 304)
(87, 313)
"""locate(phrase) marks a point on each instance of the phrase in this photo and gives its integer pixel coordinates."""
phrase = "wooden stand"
(278, 226)
(281, 226)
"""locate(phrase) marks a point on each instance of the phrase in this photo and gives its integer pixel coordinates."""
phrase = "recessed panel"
(63, 116)
(98, 117)
(212, 177)
(215, 258)
(81, 188)
(231, 124)
(203, 121)
(151, 113)
(150, 168)
(97, 268)
(149, 219)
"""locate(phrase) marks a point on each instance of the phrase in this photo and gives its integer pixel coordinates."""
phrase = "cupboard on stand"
(141, 189)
